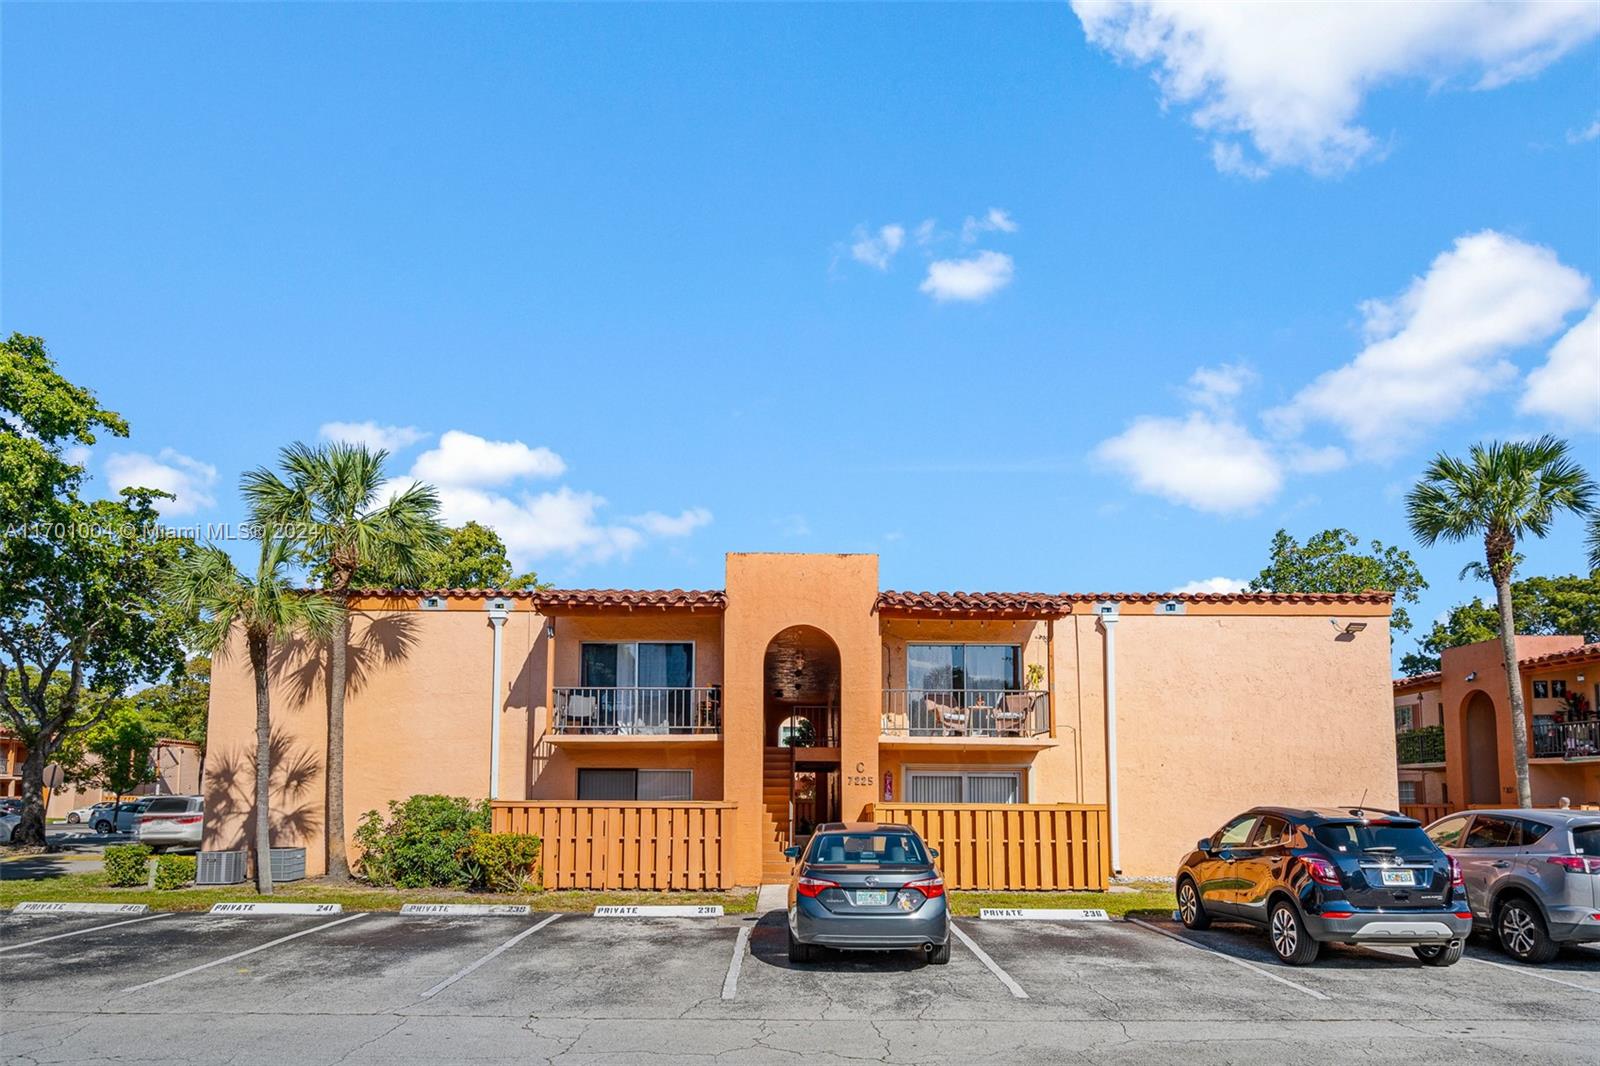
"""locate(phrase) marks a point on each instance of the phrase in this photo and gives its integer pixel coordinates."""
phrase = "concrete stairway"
(775, 782)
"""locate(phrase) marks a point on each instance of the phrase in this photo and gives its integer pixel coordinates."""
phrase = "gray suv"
(1532, 876)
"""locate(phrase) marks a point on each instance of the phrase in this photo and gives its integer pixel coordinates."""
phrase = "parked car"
(11, 805)
(1328, 875)
(121, 818)
(8, 826)
(1532, 877)
(171, 822)
(86, 814)
(865, 885)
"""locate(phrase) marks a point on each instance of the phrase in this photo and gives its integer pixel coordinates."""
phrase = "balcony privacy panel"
(650, 846)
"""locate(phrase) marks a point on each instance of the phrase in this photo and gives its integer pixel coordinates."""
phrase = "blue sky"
(643, 285)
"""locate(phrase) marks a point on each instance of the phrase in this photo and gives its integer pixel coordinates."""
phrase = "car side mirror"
(934, 852)
(791, 853)
(1204, 847)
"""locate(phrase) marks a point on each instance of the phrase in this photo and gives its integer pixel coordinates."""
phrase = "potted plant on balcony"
(1033, 677)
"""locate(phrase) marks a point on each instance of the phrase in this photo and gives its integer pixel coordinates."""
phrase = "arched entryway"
(1482, 749)
(800, 735)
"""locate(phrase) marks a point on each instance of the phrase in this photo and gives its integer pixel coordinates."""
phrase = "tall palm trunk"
(1519, 718)
(338, 646)
(259, 663)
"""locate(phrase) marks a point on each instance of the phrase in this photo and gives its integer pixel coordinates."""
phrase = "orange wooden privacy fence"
(1427, 812)
(1012, 846)
(627, 845)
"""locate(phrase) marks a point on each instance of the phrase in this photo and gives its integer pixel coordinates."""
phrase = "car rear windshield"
(1586, 839)
(884, 849)
(170, 805)
(1350, 838)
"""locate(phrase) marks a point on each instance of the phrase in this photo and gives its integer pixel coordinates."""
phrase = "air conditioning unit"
(288, 864)
(219, 868)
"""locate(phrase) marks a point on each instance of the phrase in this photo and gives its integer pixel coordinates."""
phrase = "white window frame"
(1024, 779)
(694, 658)
(1405, 717)
(1412, 785)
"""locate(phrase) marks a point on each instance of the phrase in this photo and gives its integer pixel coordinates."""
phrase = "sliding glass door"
(640, 686)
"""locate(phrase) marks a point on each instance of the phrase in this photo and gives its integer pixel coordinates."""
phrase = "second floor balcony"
(618, 712)
(1565, 740)
(957, 715)
(1420, 746)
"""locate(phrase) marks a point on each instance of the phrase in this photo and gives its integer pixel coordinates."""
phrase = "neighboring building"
(800, 693)
(177, 766)
(1453, 727)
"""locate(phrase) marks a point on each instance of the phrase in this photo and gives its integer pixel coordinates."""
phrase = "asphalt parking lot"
(385, 988)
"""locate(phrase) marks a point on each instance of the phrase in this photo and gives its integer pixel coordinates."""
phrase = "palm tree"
(205, 585)
(330, 503)
(1502, 492)
(1594, 542)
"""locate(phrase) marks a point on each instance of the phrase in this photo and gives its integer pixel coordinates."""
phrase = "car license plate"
(1399, 877)
(874, 898)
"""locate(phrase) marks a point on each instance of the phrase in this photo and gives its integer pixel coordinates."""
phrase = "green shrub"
(174, 871)
(505, 861)
(127, 865)
(424, 844)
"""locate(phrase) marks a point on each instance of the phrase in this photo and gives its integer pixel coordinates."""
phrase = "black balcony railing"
(923, 712)
(1565, 740)
(1420, 745)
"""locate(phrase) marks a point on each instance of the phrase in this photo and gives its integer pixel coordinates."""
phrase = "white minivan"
(171, 822)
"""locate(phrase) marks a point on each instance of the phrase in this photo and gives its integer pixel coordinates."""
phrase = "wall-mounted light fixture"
(1473, 676)
(550, 628)
(1352, 628)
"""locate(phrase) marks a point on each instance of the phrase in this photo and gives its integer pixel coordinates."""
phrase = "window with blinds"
(654, 785)
(959, 786)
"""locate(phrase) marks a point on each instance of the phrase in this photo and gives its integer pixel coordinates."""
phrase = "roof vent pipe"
(497, 619)
(1108, 615)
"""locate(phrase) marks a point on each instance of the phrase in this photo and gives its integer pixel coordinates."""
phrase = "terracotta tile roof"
(1418, 681)
(629, 599)
(994, 604)
(1585, 653)
(1370, 596)
(454, 594)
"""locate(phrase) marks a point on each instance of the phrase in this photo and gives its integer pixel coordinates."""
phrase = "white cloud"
(994, 220)
(1216, 387)
(373, 435)
(1588, 133)
(1567, 387)
(188, 479)
(76, 455)
(1215, 584)
(927, 231)
(1205, 462)
(680, 525)
(1442, 344)
(975, 278)
(465, 459)
(876, 249)
(535, 526)
(1289, 80)
(1304, 460)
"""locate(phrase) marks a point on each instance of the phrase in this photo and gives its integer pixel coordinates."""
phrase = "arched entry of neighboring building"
(1482, 749)
(800, 735)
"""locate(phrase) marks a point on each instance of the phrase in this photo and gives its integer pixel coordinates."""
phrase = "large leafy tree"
(1502, 492)
(80, 619)
(266, 610)
(1332, 561)
(115, 755)
(472, 557)
(1541, 605)
(335, 503)
(178, 708)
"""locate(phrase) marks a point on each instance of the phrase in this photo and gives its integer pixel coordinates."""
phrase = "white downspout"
(497, 619)
(1108, 619)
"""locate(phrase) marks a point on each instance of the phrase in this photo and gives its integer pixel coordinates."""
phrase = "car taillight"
(928, 886)
(813, 886)
(1321, 870)
(188, 819)
(1465, 915)
(1576, 863)
(1338, 914)
(1456, 880)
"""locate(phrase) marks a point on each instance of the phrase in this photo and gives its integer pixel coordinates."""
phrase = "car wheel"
(1522, 934)
(1441, 954)
(102, 827)
(940, 955)
(1290, 940)
(73, 819)
(1190, 909)
(799, 952)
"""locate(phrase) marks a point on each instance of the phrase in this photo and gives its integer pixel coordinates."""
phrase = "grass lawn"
(92, 888)
(1154, 898)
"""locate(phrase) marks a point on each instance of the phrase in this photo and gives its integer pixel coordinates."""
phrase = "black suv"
(1328, 875)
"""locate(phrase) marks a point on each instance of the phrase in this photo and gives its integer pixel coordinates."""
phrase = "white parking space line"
(1252, 967)
(983, 957)
(730, 983)
(241, 954)
(80, 932)
(1529, 972)
(507, 946)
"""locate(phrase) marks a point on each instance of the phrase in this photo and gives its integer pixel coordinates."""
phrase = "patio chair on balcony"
(579, 715)
(1011, 717)
(953, 720)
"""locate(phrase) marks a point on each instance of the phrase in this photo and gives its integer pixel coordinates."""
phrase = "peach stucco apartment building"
(671, 738)
(1453, 727)
(176, 765)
